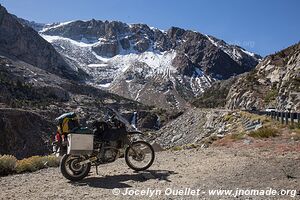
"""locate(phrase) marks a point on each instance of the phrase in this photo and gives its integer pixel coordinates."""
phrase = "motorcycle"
(111, 139)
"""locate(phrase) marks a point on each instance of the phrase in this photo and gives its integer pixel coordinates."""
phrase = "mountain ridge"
(137, 61)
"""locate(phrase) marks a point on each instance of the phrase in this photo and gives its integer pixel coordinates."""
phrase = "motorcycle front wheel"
(139, 156)
(71, 169)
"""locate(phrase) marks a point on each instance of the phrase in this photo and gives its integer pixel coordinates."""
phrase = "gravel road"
(202, 169)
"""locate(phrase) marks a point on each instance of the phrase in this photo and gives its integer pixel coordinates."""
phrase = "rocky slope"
(21, 42)
(162, 68)
(275, 82)
(193, 127)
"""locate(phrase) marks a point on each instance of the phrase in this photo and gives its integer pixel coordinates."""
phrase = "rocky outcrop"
(184, 65)
(275, 83)
(107, 49)
(22, 42)
(193, 127)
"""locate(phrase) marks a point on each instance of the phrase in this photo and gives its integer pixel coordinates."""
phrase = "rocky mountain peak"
(109, 50)
(87, 30)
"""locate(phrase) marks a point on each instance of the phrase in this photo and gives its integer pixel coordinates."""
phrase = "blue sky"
(261, 26)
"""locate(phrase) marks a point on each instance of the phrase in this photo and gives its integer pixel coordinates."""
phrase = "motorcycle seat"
(81, 130)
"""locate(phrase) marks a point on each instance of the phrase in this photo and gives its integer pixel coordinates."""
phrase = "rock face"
(22, 42)
(193, 127)
(23, 133)
(36, 26)
(275, 82)
(139, 62)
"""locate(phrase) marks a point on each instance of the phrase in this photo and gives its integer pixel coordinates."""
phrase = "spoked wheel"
(139, 156)
(71, 169)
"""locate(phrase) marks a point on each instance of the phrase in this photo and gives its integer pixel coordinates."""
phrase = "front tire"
(70, 168)
(139, 154)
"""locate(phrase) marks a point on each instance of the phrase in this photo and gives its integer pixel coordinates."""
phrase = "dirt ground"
(203, 169)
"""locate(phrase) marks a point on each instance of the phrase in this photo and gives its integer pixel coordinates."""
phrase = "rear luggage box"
(80, 144)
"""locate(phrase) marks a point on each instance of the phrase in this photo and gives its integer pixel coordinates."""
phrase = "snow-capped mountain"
(164, 68)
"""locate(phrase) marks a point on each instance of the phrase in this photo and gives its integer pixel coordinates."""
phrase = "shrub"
(35, 163)
(271, 95)
(7, 164)
(237, 136)
(191, 146)
(209, 140)
(294, 126)
(31, 164)
(176, 148)
(264, 133)
(51, 161)
(228, 117)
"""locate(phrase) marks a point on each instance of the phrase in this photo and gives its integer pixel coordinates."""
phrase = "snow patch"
(100, 57)
(52, 39)
(98, 65)
(160, 63)
(105, 85)
(247, 52)
(54, 25)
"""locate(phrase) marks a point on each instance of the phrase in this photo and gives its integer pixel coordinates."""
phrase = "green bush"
(7, 164)
(264, 133)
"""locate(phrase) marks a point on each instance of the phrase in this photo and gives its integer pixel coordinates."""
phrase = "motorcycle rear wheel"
(70, 168)
(131, 156)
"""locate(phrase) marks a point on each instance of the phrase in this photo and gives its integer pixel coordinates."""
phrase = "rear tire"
(127, 154)
(72, 177)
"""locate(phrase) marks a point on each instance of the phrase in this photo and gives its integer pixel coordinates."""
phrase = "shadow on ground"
(117, 181)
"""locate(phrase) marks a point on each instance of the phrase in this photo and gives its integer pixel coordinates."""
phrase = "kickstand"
(97, 170)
